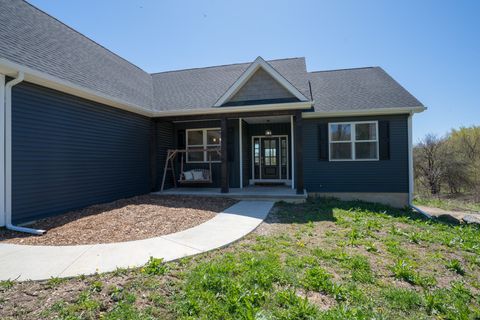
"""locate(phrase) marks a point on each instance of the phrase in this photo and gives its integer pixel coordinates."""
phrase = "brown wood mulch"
(129, 219)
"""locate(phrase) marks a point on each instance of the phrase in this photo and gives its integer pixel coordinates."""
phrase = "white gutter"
(364, 112)
(8, 158)
(410, 168)
(217, 110)
(10, 68)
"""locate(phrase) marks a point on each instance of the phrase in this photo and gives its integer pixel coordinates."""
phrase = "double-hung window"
(199, 142)
(353, 141)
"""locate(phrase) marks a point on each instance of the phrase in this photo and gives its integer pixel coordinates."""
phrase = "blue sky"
(431, 47)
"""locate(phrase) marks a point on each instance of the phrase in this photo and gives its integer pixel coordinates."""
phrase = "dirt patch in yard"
(129, 219)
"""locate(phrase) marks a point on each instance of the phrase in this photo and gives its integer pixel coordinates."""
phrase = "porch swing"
(192, 176)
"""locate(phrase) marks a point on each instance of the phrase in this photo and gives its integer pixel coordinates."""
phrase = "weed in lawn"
(456, 266)
(414, 237)
(405, 270)
(96, 286)
(453, 303)
(291, 306)
(85, 305)
(394, 248)
(155, 267)
(157, 299)
(354, 236)
(360, 269)
(55, 282)
(230, 285)
(370, 246)
(403, 299)
(6, 284)
(120, 271)
(318, 279)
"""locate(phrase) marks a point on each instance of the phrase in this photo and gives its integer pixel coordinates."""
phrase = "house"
(81, 125)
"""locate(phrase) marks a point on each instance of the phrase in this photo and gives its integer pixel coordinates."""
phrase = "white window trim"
(352, 140)
(203, 146)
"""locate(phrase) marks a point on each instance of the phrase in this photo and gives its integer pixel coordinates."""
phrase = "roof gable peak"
(258, 63)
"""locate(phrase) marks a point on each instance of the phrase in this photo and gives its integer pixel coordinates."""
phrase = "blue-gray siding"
(165, 140)
(69, 153)
(357, 176)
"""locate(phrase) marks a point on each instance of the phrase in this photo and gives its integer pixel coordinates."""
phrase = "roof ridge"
(344, 69)
(222, 65)
(84, 36)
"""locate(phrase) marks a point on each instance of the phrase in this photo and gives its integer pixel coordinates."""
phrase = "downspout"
(8, 158)
(410, 169)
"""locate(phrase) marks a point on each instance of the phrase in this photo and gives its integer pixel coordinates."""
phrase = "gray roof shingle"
(357, 89)
(200, 88)
(32, 38)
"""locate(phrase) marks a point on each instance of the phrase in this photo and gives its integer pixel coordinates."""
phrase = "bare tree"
(430, 163)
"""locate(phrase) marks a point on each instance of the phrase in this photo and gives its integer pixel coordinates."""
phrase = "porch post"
(240, 153)
(224, 156)
(153, 155)
(299, 152)
(292, 144)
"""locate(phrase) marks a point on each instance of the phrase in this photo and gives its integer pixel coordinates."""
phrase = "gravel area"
(129, 219)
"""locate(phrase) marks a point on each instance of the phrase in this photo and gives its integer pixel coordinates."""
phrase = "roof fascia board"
(253, 108)
(10, 68)
(247, 74)
(366, 112)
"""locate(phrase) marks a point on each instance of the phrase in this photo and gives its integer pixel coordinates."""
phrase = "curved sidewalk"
(22, 262)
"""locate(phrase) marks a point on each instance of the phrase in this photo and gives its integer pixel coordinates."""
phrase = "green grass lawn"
(324, 259)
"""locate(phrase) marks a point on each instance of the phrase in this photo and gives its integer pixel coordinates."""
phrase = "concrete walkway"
(22, 262)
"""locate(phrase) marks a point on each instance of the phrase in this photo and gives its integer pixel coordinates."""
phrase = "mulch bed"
(129, 219)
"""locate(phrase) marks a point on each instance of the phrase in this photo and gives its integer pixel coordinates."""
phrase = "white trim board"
(364, 112)
(2, 150)
(247, 74)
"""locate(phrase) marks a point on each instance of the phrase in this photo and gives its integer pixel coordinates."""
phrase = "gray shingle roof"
(32, 38)
(357, 89)
(200, 88)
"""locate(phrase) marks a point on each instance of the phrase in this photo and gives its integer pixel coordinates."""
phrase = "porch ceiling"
(271, 119)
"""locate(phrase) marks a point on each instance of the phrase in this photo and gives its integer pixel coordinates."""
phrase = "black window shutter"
(181, 139)
(323, 142)
(384, 139)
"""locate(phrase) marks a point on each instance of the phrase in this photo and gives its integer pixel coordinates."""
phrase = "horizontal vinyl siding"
(261, 86)
(69, 153)
(357, 176)
(165, 140)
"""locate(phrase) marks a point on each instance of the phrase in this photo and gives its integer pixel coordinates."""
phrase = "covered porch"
(252, 192)
(260, 152)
